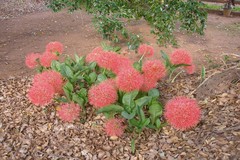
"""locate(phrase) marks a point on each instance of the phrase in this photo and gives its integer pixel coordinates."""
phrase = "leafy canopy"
(162, 15)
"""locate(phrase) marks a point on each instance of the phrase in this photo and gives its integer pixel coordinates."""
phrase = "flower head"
(129, 80)
(146, 50)
(114, 127)
(113, 61)
(93, 56)
(41, 93)
(154, 70)
(148, 84)
(121, 63)
(31, 60)
(54, 47)
(103, 94)
(53, 78)
(68, 112)
(182, 113)
(47, 58)
(180, 56)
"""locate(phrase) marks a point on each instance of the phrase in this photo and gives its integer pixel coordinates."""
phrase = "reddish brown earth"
(31, 32)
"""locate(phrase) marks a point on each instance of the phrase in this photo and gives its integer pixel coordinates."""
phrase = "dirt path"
(30, 33)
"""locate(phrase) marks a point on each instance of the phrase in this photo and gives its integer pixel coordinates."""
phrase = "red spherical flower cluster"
(47, 58)
(31, 60)
(129, 80)
(103, 94)
(148, 84)
(115, 127)
(69, 112)
(154, 70)
(53, 78)
(54, 47)
(41, 93)
(121, 63)
(107, 60)
(113, 61)
(182, 113)
(93, 56)
(146, 50)
(181, 56)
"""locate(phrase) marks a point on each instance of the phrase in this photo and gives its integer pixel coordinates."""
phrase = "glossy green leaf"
(143, 101)
(128, 98)
(101, 77)
(78, 99)
(110, 108)
(127, 115)
(154, 93)
(66, 71)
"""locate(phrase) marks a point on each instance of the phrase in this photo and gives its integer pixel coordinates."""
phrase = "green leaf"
(143, 101)
(154, 93)
(68, 86)
(55, 65)
(92, 65)
(83, 92)
(67, 93)
(110, 108)
(61, 99)
(101, 77)
(145, 122)
(203, 73)
(66, 71)
(166, 58)
(129, 97)
(93, 77)
(158, 123)
(155, 111)
(78, 99)
(137, 66)
(133, 148)
(128, 116)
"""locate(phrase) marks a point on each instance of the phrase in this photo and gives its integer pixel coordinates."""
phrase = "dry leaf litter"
(31, 132)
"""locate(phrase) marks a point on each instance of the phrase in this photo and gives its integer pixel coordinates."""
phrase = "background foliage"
(162, 15)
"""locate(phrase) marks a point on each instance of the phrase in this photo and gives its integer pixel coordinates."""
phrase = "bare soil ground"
(27, 33)
(29, 132)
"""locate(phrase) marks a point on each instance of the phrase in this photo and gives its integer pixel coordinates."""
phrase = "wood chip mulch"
(30, 132)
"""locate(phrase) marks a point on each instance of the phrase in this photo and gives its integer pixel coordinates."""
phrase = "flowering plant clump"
(179, 106)
(125, 92)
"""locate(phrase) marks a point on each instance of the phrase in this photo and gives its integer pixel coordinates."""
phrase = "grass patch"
(220, 7)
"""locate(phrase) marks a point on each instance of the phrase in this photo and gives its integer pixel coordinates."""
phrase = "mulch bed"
(30, 132)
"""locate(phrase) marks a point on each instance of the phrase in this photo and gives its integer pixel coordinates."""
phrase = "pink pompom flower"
(103, 94)
(54, 47)
(146, 50)
(154, 70)
(148, 84)
(115, 127)
(53, 78)
(93, 56)
(129, 80)
(113, 61)
(41, 93)
(181, 56)
(31, 60)
(121, 63)
(182, 113)
(68, 112)
(47, 58)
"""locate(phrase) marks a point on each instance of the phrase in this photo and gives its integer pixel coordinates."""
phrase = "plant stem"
(176, 76)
